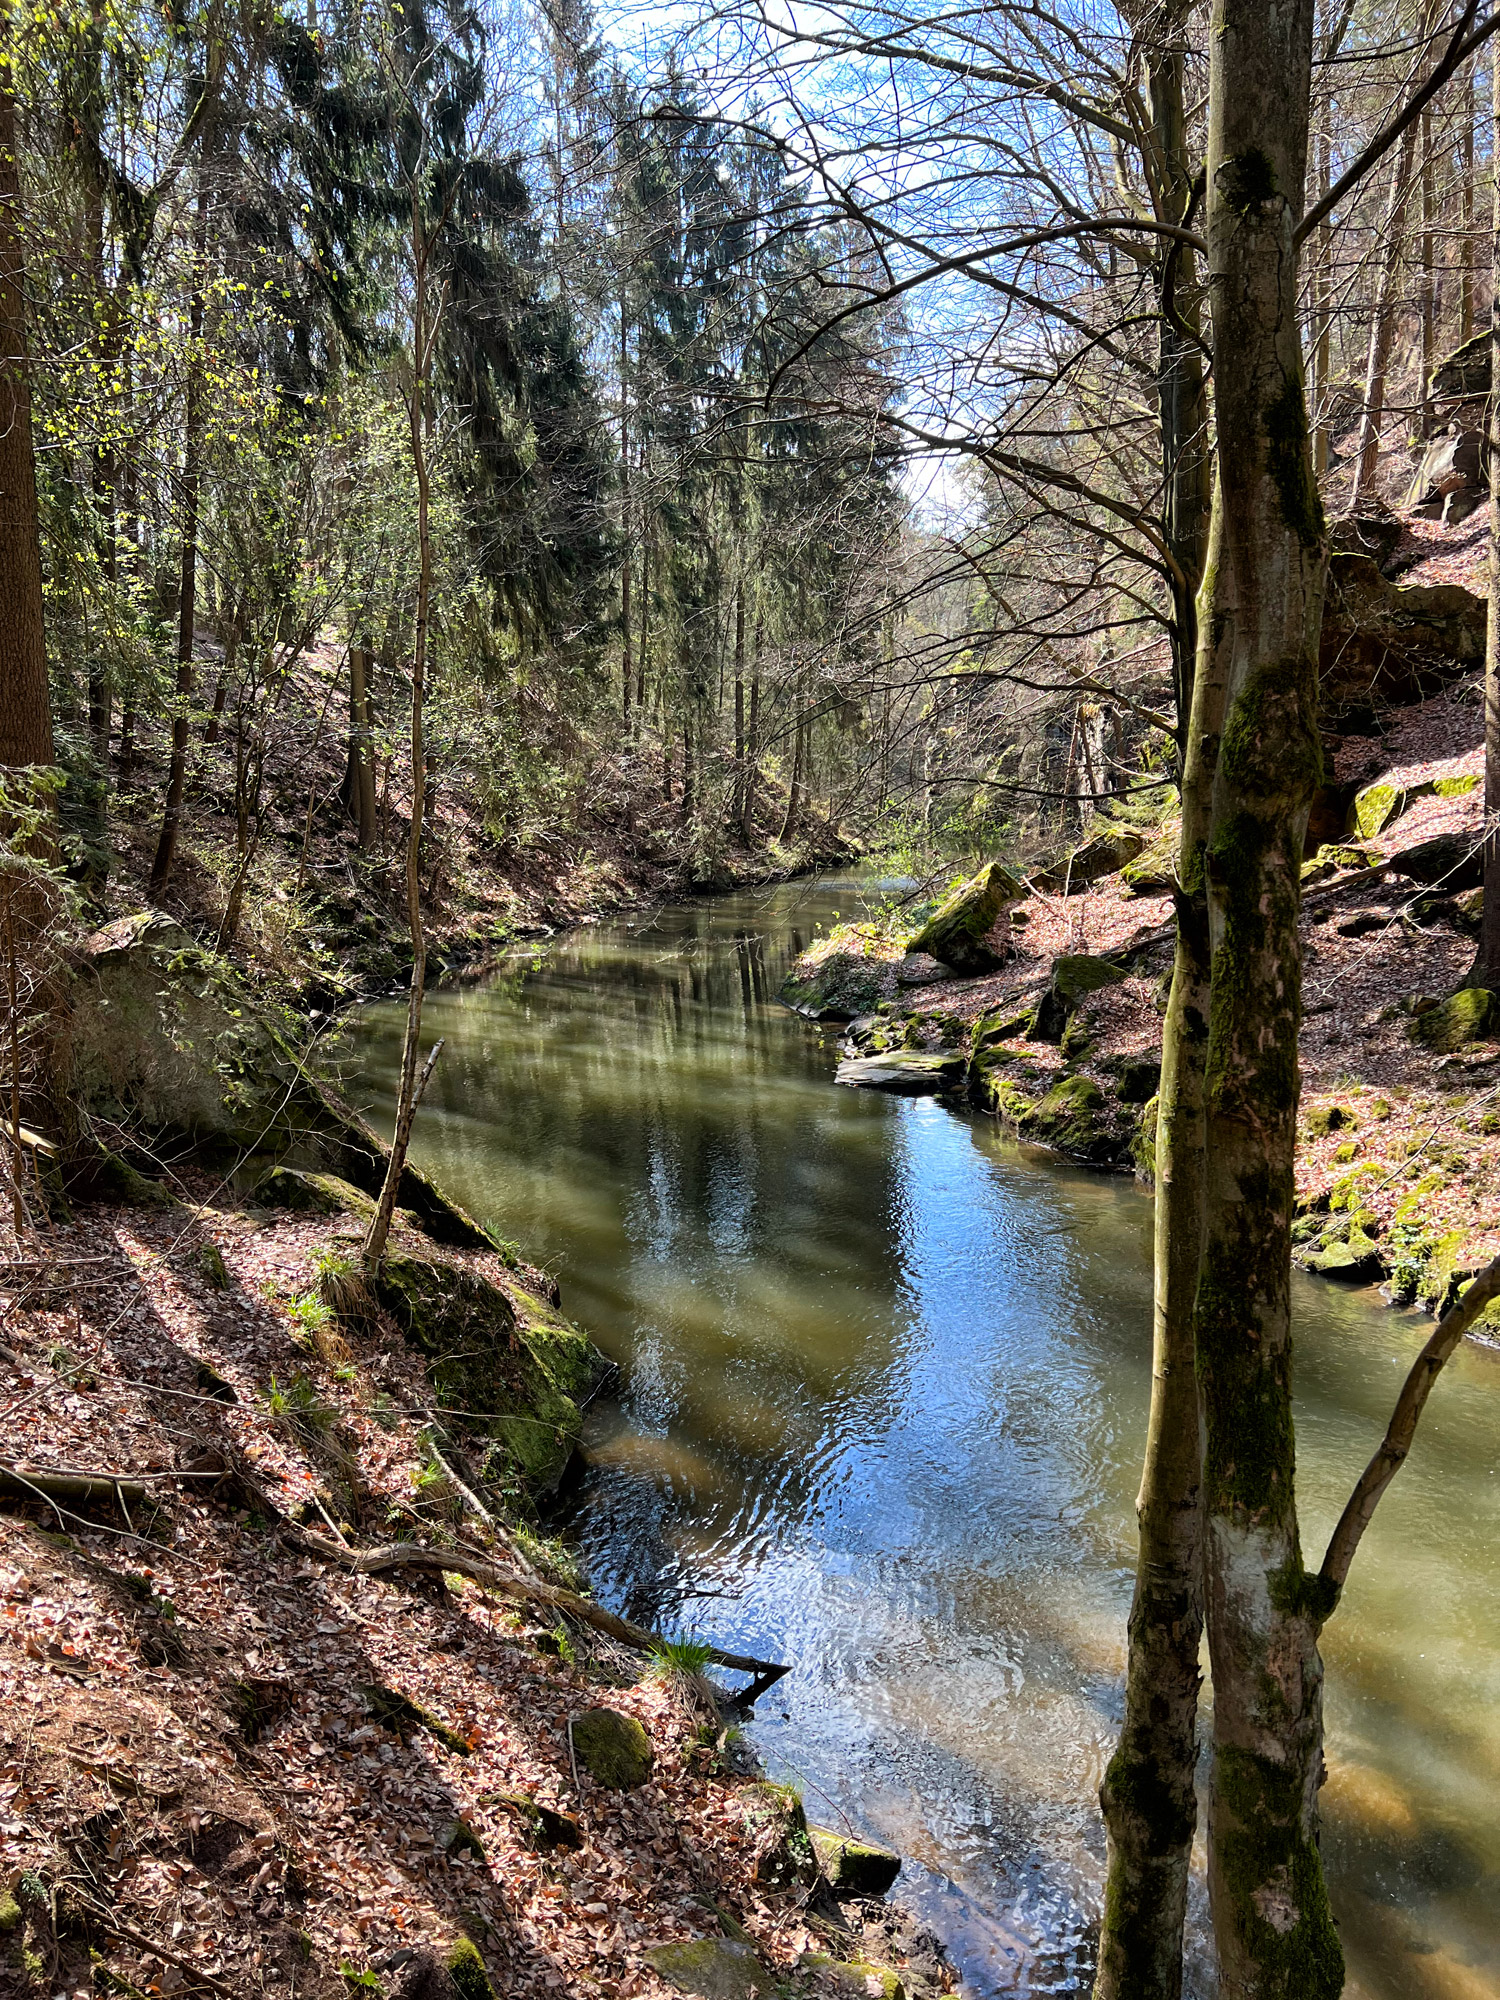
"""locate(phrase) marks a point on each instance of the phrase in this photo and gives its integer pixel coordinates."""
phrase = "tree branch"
(1402, 1428)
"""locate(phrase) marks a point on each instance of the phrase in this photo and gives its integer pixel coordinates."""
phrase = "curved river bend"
(883, 1398)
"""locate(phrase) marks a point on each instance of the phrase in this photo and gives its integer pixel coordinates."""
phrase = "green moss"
(1472, 1014)
(1376, 806)
(401, 1714)
(1250, 1450)
(1444, 1271)
(1289, 463)
(1263, 1847)
(466, 1969)
(1456, 788)
(11, 1913)
(955, 933)
(1325, 1118)
(522, 1373)
(614, 1749)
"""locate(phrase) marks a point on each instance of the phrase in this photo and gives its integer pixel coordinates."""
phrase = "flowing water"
(881, 1413)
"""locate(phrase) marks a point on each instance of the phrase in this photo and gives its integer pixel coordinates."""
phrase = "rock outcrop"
(958, 931)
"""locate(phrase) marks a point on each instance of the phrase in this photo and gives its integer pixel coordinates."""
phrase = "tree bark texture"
(1261, 612)
(406, 1095)
(1383, 318)
(187, 600)
(1489, 938)
(359, 781)
(1148, 1796)
(25, 707)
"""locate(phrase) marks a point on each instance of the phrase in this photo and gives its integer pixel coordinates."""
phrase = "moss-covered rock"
(995, 1086)
(785, 1857)
(312, 1193)
(1471, 1015)
(957, 932)
(1073, 977)
(1106, 851)
(614, 1749)
(839, 978)
(1325, 1118)
(543, 1827)
(1458, 787)
(1331, 861)
(1376, 806)
(712, 1968)
(1153, 872)
(1002, 1024)
(853, 1978)
(905, 1072)
(1074, 1118)
(465, 1968)
(854, 1867)
(1356, 1260)
(522, 1373)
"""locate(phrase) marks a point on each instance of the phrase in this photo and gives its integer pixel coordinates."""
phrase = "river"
(881, 1413)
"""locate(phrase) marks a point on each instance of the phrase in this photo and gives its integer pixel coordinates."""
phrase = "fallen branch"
(140, 1940)
(412, 1555)
(63, 1484)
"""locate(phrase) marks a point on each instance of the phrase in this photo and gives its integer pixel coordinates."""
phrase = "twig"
(164, 1952)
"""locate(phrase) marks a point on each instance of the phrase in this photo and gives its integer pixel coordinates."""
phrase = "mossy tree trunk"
(1148, 1797)
(1262, 607)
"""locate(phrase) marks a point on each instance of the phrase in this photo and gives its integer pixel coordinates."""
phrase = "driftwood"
(412, 1555)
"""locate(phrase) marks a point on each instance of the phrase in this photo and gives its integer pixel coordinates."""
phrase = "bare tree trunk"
(627, 669)
(406, 1095)
(1262, 610)
(187, 602)
(1488, 970)
(740, 780)
(1428, 301)
(1322, 292)
(1470, 115)
(1148, 1796)
(752, 748)
(25, 706)
(359, 780)
(1383, 317)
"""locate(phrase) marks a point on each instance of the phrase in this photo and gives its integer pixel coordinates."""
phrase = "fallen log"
(85, 1487)
(528, 1590)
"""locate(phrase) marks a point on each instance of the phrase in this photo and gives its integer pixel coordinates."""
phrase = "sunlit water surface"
(884, 1383)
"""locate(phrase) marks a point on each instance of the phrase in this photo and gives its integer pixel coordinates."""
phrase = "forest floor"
(199, 1790)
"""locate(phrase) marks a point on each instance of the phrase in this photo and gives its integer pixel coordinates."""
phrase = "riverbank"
(323, 919)
(288, 1705)
(1061, 1039)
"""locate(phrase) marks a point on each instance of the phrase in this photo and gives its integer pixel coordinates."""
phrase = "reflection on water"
(884, 1387)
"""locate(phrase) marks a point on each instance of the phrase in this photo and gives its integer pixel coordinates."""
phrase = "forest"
(475, 468)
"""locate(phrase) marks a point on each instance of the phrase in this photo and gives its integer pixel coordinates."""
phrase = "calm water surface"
(885, 1379)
